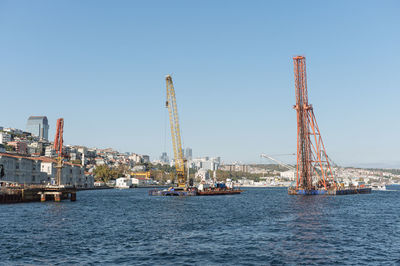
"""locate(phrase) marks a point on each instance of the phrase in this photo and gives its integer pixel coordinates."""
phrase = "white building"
(288, 174)
(205, 163)
(49, 151)
(139, 181)
(4, 137)
(123, 182)
(135, 158)
(71, 174)
(203, 175)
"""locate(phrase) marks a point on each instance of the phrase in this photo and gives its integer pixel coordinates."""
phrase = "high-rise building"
(164, 158)
(38, 126)
(188, 153)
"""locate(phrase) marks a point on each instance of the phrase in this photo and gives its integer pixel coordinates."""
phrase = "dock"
(37, 193)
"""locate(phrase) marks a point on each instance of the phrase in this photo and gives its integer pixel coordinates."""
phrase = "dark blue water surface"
(260, 226)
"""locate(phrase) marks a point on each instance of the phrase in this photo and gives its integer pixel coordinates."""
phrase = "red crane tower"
(313, 170)
(58, 146)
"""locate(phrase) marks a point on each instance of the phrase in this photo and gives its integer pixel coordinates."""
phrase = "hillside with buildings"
(28, 157)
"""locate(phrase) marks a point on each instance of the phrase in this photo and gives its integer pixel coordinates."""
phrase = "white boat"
(377, 186)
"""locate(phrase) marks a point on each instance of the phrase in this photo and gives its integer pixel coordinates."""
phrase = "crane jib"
(175, 132)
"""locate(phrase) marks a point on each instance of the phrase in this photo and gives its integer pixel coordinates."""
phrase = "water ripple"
(261, 226)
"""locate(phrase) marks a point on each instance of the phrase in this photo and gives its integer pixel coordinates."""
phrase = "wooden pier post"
(73, 196)
(42, 197)
(57, 197)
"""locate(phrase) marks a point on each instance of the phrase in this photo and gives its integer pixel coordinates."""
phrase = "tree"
(103, 173)
(9, 147)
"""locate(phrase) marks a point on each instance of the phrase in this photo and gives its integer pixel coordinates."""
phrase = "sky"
(101, 65)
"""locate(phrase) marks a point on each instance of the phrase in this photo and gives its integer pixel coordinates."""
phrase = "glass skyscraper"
(188, 154)
(38, 126)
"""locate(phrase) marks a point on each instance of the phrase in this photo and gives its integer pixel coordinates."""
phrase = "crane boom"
(58, 145)
(279, 162)
(175, 132)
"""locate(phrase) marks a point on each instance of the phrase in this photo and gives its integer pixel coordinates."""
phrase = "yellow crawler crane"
(175, 133)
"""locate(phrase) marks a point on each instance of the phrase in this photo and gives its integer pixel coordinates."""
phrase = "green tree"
(103, 173)
(9, 148)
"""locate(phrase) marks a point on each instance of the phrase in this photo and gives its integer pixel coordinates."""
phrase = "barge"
(333, 191)
(194, 192)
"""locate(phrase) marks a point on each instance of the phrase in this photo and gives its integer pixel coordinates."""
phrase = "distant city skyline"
(101, 65)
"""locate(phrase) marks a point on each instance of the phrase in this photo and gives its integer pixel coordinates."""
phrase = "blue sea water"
(259, 227)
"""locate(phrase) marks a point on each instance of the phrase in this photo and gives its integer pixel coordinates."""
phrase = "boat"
(379, 187)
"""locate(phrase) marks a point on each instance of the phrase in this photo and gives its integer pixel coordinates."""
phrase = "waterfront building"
(22, 170)
(123, 182)
(71, 174)
(139, 181)
(41, 170)
(38, 126)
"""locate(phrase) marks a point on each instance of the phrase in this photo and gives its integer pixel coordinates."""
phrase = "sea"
(261, 226)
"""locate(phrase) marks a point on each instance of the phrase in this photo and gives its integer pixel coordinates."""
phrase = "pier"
(37, 193)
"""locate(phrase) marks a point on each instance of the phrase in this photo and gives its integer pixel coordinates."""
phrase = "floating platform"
(219, 192)
(194, 192)
(344, 191)
(156, 192)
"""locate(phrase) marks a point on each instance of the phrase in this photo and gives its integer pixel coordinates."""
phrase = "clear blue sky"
(101, 66)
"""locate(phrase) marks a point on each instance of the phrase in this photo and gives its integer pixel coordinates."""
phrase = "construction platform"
(194, 192)
(156, 192)
(37, 193)
(342, 191)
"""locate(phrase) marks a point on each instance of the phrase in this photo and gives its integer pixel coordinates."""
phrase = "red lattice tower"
(58, 146)
(58, 140)
(313, 168)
